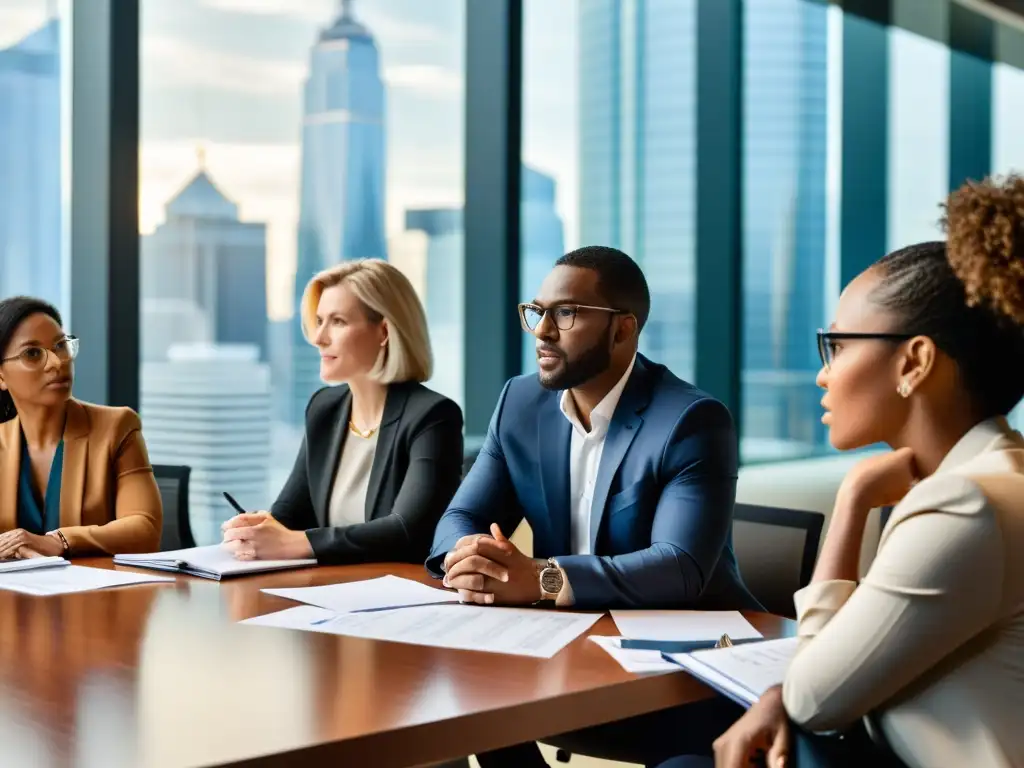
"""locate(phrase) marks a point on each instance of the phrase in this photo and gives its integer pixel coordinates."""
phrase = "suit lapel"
(76, 452)
(553, 439)
(10, 444)
(323, 450)
(625, 424)
(394, 407)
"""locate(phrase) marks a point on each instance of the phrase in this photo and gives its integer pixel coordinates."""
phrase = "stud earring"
(904, 388)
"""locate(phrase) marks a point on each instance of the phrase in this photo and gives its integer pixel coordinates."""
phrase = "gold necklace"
(356, 430)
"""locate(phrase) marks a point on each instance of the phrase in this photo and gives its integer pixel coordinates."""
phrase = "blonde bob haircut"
(386, 294)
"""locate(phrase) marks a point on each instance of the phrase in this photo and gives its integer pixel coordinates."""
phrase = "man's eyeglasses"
(34, 358)
(563, 315)
(829, 341)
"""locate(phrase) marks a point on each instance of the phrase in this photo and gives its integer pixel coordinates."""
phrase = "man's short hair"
(619, 279)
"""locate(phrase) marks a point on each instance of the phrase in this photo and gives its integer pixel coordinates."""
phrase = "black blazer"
(416, 469)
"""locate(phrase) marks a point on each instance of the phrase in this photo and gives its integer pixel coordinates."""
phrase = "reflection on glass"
(608, 93)
(276, 142)
(918, 137)
(785, 133)
(31, 215)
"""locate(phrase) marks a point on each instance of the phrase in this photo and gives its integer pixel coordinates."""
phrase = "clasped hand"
(21, 544)
(490, 569)
(259, 536)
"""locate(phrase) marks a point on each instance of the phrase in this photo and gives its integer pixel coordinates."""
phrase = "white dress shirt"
(585, 449)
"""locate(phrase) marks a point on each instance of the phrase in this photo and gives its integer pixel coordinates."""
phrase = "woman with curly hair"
(921, 663)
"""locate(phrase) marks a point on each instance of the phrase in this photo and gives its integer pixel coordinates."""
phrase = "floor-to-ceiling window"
(280, 139)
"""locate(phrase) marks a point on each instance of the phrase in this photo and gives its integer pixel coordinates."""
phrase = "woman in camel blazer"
(75, 478)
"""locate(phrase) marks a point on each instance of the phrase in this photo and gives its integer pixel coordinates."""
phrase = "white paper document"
(742, 672)
(212, 562)
(683, 625)
(368, 595)
(32, 564)
(73, 578)
(634, 660)
(517, 631)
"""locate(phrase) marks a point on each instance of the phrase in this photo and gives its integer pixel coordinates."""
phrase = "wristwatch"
(551, 580)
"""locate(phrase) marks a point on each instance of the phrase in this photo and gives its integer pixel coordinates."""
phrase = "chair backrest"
(173, 484)
(775, 550)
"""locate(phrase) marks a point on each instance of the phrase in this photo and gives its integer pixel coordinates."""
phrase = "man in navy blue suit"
(625, 473)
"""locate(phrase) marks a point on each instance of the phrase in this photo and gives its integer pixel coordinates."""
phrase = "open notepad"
(213, 562)
(742, 672)
(31, 564)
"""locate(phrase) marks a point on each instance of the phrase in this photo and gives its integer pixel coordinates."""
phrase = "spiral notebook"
(212, 562)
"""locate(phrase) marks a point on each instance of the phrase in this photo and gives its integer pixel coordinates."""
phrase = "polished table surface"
(162, 675)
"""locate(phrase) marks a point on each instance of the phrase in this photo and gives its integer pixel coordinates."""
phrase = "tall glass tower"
(341, 213)
(30, 216)
(785, 134)
(637, 81)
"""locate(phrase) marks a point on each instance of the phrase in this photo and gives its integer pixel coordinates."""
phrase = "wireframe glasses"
(828, 342)
(563, 315)
(34, 358)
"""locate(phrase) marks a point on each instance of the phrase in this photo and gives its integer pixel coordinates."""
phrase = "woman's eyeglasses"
(828, 342)
(34, 358)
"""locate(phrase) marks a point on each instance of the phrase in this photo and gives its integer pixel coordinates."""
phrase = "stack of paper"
(31, 564)
(213, 562)
(517, 631)
(369, 595)
(73, 578)
(743, 672)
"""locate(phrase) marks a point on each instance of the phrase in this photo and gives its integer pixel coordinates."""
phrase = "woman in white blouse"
(382, 454)
(922, 662)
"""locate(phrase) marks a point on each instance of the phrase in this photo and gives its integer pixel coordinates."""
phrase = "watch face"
(551, 581)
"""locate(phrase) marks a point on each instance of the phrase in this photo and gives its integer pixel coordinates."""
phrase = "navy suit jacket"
(661, 520)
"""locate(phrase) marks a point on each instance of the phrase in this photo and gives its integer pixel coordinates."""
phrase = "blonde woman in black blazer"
(382, 454)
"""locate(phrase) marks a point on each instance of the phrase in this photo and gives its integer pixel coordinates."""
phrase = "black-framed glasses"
(828, 341)
(563, 315)
(34, 358)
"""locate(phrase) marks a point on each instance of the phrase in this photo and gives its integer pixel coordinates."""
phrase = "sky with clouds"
(226, 76)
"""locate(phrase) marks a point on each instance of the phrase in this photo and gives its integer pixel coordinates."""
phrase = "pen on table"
(682, 646)
(235, 504)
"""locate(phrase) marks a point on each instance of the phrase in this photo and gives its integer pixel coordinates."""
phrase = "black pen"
(234, 503)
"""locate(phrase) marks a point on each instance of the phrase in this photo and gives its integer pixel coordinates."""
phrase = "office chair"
(173, 484)
(775, 550)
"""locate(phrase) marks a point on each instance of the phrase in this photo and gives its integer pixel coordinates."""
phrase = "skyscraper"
(30, 152)
(542, 243)
(784, 238)
(637, 94)
(637, 107)
(204, 256)
(208, 407)
(445, 245)
(341, 209)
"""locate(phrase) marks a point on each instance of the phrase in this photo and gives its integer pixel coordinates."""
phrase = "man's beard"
(574, 373)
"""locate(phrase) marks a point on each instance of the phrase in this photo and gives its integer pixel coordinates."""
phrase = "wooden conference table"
(161, 676)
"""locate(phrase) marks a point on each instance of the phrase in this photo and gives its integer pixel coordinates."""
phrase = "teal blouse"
(37, 515)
